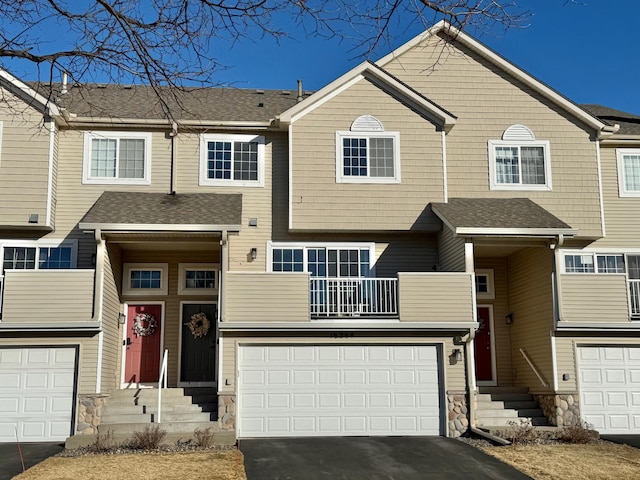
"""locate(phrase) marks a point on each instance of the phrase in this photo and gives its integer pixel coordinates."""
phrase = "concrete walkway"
(370, 458)
(33, 453)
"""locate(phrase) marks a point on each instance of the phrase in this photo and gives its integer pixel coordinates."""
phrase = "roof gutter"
(70, 119)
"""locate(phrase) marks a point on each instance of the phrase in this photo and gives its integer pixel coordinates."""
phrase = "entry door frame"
(492, 339)
(125, 306)
(217, 343)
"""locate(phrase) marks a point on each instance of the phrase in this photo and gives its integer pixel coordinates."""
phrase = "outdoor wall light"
(122, 318)
(254, 253)
(457, 354)
(508, 319)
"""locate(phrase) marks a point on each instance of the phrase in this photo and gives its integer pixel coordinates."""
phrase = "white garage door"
(610, 388)
(306, 390)
(36, 393)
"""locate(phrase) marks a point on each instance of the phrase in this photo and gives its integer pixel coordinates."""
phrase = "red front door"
(142, 357)
(484, 371)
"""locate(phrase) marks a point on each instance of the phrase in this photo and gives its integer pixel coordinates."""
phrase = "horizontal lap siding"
(405, 254)
(454, 373)
(594, 298)
(112, 334)
(256, 201)
(24, 163)
(435, 297)
(320, 203)
(48, 296)
(620, 213)
(451, 253)
(530, 300)
(488, 101)
(266, 297)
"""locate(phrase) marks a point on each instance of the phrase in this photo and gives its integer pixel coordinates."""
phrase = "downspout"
(98, 297)
(557, 293)
(224, 265)
(172, 180)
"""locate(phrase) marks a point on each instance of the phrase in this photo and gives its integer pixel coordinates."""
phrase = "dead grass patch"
(217, 465)
(596, 461)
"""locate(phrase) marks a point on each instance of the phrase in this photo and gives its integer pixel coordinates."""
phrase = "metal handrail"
(535, 370)
(161, 384)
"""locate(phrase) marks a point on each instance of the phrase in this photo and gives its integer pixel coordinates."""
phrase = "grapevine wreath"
(199, 325)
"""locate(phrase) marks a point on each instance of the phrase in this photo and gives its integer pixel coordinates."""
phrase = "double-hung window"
(519, 161)
(117, 157)
(232, 160)
(367, 154)
(628, 172)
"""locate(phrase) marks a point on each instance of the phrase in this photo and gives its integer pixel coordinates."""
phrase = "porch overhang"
(160, 212)
(500, 217)
(356, 325)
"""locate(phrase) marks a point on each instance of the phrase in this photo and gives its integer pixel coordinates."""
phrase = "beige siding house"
(412, 248)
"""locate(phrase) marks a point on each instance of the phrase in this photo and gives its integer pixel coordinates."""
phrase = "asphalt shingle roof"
(138, 208)
(500, 213)
(189, 103)
(629, 123)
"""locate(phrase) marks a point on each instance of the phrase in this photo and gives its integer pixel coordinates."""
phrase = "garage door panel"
(385, 390)
(609, 387)
(36, 393)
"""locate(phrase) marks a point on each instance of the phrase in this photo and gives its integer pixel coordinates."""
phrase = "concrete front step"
(223, 437)
(117, 417)
(169, 427)
(525, 412)
(484, 405)
(503, 390)
(511, 421)
(146, 409)
(504, 397)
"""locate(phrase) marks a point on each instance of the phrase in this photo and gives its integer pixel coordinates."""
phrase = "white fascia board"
(621, 140)
(521, 232)
(499, 61)
(354, 76)
(597, 326)
(339, 325)
(47, 105)
(164, 123)
(160, 227)
(50, 327)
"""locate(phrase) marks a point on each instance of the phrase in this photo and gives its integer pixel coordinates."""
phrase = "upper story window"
(61, 257)
(232, 160)
(484, 284)
(197, 278)
(145, 279)
(519, 161)
(367, 154)
(117, 157)
(594, 263)
(628, 172)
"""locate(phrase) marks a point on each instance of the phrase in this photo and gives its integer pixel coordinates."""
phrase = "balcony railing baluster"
(353, 296)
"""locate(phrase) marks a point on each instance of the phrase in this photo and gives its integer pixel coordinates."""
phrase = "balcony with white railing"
(353, 297)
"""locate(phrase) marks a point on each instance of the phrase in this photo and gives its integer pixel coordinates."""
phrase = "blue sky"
(587, 51)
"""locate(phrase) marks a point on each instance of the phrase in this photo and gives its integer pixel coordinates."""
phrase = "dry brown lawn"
(596, 461)
(213, 465)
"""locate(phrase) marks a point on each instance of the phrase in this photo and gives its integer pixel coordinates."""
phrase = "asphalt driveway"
(632, 440)
(33, 453)
(370, 458)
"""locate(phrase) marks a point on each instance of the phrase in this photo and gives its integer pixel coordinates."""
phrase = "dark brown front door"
(198, 353)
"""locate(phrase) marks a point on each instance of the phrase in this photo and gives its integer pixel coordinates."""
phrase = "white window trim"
(341, 178)
(209, 137)
(86, 173)
(42, 244)
(494, 185)
(622, 191)
(490, 293)
(182, 270)
(292, 245)
(163, 268)
(594, 255)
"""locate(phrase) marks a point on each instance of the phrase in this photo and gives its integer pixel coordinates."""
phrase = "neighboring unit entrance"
(339, 390)
(609, 382)
(198, 349)
(142, 341)
(483, 346)
(37, 393)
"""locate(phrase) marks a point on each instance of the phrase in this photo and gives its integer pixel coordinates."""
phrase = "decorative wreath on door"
(141, 320)
(199, 325)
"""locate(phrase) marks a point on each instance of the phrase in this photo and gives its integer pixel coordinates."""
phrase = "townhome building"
(431, 243)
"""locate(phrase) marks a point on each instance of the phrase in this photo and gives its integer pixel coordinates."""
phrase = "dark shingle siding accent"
(137, 208)
(497, 213)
